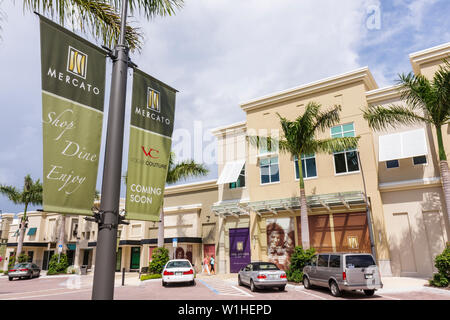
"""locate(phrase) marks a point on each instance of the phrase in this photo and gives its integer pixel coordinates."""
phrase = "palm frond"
(335, 144)
(441, 88)
(184, 170)
(379, 117)
(98, 18)
(152, 8)
(327, 119)
(12, 193)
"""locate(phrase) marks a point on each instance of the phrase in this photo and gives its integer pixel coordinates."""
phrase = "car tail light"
(283, 276)
(189, 272)
(344, 276)
(12, 270)
(167, 273)
(261, 276)
(23, 269)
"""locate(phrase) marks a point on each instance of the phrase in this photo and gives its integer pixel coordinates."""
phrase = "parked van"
(343, 272)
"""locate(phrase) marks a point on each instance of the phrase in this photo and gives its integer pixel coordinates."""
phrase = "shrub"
(442, 263)
(23, 258)
(160, 257)
(150, 276)
(299, 259)
(12, 262)
(439, 280)
(54, 267)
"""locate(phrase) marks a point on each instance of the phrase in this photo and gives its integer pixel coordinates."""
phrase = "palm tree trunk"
(161, 228)
(445, 176)
(21, 233)
(303, 208)
(62, 232)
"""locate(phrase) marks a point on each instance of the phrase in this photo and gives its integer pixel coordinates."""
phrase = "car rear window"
(178, 264)
(265, 266)
(21, 265)
(359, 261)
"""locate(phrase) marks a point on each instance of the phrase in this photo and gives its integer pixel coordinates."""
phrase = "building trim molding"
(429, 55)
(358, 75)
(383, 94)
(409, 184)
(196, 186)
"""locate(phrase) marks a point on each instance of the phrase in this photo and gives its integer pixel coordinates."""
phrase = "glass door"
(118, 259)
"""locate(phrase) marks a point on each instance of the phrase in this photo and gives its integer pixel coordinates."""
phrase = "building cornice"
(230, 129)
(186, 208)
(433, 54)
(383, 94)
(410, 184)
(358, 75)
(196, 186)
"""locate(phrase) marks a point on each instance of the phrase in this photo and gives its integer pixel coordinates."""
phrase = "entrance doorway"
(239, 248)
(135, 261)
(47, 256)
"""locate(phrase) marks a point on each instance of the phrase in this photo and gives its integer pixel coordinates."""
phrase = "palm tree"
(175, 173)
(299, 138)
(427, 102)
(101, 18)
(31, 194)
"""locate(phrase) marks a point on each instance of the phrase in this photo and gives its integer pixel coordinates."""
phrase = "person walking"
(211, 262)
(206, 265)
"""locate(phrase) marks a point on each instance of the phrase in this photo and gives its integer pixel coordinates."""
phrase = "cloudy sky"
(219, 53)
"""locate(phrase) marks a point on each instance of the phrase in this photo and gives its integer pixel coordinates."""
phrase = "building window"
(240, 182)
(392, 164)
(420, 160)
(309, 169)
(265, 147)
(345, 161)
(269, 170)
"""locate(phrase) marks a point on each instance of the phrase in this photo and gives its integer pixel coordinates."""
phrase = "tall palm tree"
(101, 18)
(428, 102)
(176, 172)
(31, 194)
(299, 138)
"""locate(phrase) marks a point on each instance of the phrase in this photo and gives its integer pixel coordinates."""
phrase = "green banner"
(152, 117)
(73, 91)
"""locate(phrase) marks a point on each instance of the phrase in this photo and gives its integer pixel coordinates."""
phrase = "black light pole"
(369, 217)
(108, 218)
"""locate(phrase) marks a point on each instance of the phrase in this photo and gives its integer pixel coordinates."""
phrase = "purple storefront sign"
(239, 248)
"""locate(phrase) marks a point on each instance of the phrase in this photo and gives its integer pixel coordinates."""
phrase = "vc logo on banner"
(153, 100)
(149, 153)
(77, 62)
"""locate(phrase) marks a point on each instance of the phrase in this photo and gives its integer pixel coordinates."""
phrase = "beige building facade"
(389, 189)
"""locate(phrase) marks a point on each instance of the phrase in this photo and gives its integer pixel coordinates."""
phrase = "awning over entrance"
(231, 208)
(230, 172)
(31, 232)
(402, 145)
(333, 202)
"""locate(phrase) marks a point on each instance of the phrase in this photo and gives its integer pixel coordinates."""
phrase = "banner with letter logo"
(152, 117)
(73, 90)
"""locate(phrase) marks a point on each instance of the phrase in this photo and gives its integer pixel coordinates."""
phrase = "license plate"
(368, 276)
(178, 273)
(273, 276)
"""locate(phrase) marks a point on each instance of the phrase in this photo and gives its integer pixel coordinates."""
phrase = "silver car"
(24, 270)
(262, 275)
(343, 272)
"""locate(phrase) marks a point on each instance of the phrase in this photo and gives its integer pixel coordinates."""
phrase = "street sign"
(175, 242)
(60, 247)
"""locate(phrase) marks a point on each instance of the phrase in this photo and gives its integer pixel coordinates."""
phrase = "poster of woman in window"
(280, 241)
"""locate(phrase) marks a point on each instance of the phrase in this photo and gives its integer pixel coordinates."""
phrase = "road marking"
(387, 297)
(220, 287)
(311, 294)
(47, 295)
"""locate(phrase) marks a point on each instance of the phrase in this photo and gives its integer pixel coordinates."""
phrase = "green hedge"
(150, 276)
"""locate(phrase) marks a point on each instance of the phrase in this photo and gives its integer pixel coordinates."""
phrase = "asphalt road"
(209, 288)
